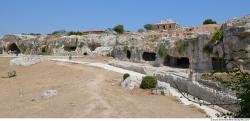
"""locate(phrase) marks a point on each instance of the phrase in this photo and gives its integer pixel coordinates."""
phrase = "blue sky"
(45, 16)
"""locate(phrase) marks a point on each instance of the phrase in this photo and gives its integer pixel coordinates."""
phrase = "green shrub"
(162, 51)
(208, 48)
(74, 33)
(141, 30)
(125, 48)
(148, 26)
(148, 82)
(119, 29)
(81, 45)
(125, 76)
(44, 53)
(181, 46)
(209, 21)
(58, 32)
(193, 41)
(217, 37)
(244, 95)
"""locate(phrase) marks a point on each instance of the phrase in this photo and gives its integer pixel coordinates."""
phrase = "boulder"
(131, 82)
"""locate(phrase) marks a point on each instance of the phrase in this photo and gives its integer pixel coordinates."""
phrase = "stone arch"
(13, 48)
(149, 56)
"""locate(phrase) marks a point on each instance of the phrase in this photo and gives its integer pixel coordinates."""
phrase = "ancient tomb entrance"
(219, 64)
(12, 48)
(1, 50)
(69, 48)
(128, 54)
(93, 46)
(44, 49)
(178, 62)
(149, 56)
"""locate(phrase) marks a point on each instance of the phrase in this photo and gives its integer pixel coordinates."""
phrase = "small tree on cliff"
(148, 27)
(209, 21)
(119, 29)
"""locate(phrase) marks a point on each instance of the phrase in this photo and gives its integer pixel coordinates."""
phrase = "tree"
(141, 30)
(148, 26)
(209, 21)
(119, 29)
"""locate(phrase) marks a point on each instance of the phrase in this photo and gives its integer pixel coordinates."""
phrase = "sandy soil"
(82, 92)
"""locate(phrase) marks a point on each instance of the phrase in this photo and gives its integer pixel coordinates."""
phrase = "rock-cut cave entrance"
(219, 64)
(128, 54)
(93, 46)
(13, 48)
(69, 48)
(178, 62)
(149, 56)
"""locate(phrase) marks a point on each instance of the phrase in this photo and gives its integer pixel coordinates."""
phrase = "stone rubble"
(49, 93)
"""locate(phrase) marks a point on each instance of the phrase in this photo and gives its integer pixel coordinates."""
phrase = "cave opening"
(85, 53)
(128, 54)
(178, 62)
(69, 48)
(13, 48)
(219, 64)
(44, 49)
(149, 56)
(93, 46)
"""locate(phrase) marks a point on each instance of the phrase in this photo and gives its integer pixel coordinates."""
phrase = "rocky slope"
(196, 50)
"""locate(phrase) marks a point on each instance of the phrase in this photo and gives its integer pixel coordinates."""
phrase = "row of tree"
(120, 28)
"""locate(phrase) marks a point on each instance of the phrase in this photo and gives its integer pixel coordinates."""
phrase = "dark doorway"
(128, 54)
(148, 56)
(177, 62)
(93, 46)
(44, 49)
(13, 48)
(69, 48)
(219, 64)
(182, 62)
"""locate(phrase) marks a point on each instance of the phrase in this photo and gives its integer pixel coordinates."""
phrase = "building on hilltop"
(167, 24)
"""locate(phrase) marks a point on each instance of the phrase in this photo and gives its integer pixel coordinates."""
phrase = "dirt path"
(82, 92)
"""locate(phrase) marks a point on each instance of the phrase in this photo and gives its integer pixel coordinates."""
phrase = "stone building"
(167, 24)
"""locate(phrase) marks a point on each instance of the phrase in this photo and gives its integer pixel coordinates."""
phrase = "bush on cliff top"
(148, 82)
(119, 29)
(125, 76)
(209, 21)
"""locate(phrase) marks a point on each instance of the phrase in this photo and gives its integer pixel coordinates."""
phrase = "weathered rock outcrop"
(155, 48)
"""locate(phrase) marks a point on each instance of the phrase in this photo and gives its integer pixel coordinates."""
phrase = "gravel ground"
(82, 91)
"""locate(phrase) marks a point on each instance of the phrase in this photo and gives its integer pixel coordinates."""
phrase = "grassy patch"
(162, 51)
(181, 46)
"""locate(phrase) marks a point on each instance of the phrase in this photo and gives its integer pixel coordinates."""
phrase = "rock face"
(193, 51)
(131, 82)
